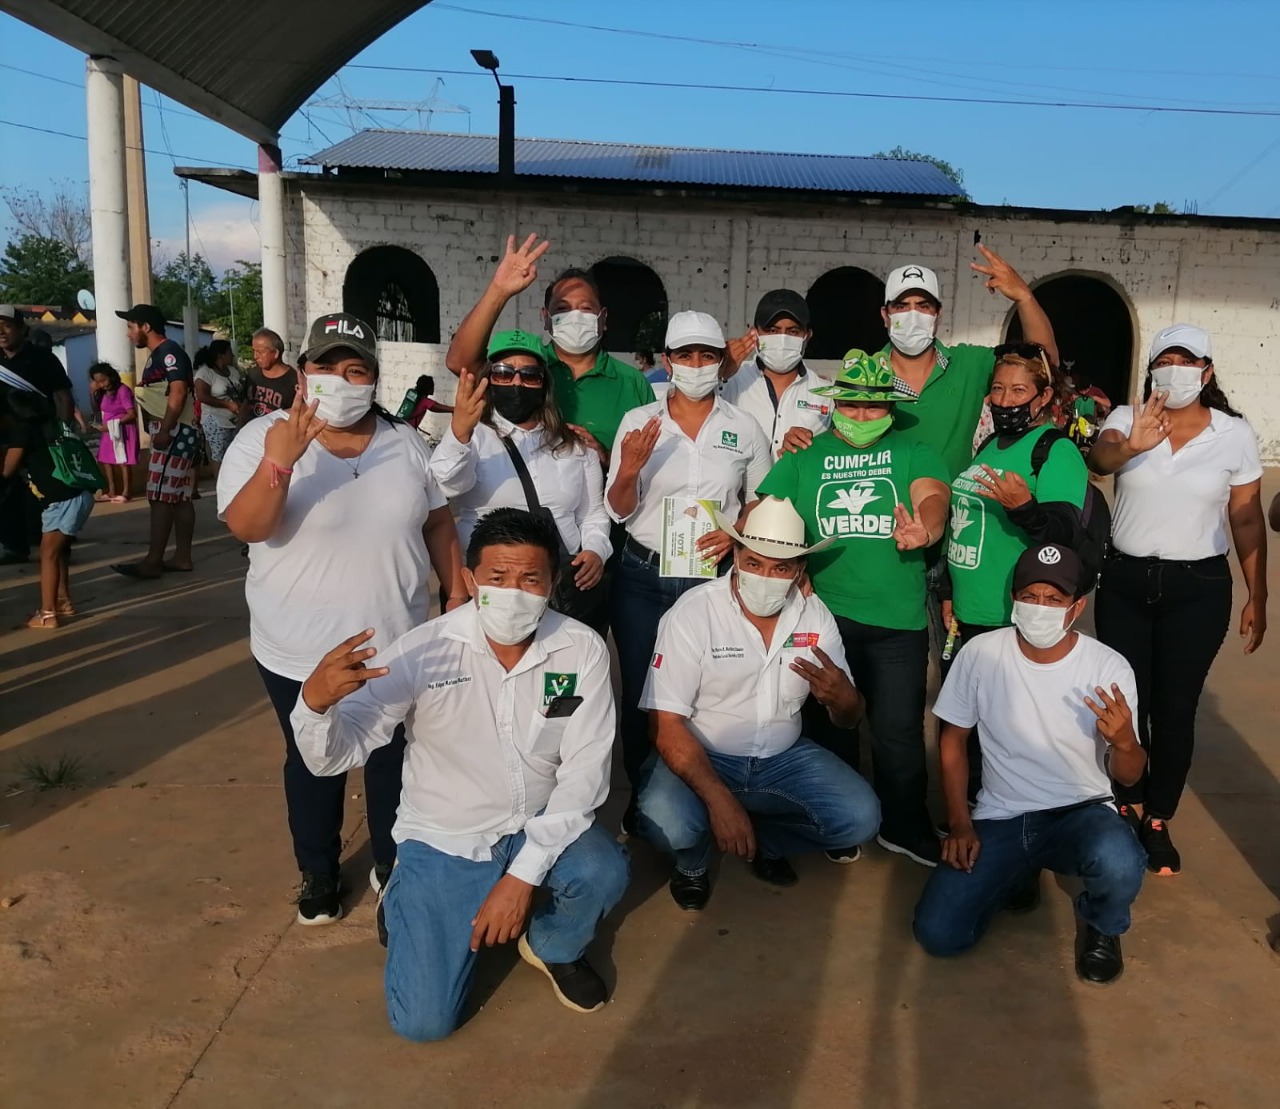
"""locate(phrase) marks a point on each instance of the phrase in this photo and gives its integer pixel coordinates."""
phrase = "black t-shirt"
(28, 422)
(39, 367)
(168, 363)
(268, 394)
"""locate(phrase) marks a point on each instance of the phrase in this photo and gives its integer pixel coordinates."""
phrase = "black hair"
(509, 527)
(107, 370)
(1211, 394)
(571, 274)
(426, 385)
(219, 347)
(204, 357)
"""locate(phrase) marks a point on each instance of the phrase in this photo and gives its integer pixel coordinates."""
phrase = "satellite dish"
(84, 298)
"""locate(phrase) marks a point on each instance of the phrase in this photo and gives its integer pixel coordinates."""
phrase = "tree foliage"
(955, 175)
(241, 290)
(36, 269)
(60, 213)
(1159, 208)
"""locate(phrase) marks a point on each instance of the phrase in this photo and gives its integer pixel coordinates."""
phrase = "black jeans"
(890, 668)
(1168, 619)
(315, 803)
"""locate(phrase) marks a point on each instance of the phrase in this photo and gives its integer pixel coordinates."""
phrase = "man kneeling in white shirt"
(1053, 709)
(509, 743)
(735, 661)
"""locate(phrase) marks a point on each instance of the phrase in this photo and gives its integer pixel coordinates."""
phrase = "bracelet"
(276, 471)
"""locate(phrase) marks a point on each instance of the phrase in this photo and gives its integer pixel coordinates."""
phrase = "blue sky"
(1173, 53)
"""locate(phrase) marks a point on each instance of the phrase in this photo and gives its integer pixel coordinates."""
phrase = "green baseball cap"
(867, 377)
(516, 341)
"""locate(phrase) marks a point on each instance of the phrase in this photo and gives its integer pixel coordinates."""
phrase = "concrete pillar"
(135, 166)
(104, 101)
(275, 291)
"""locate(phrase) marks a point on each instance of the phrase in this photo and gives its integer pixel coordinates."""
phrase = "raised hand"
(1150, 425)
(1009, 489)
(468, 405)
(288, 439)
(909, 533)
(1115, 721)
(518, 268)
(736, 352)
(637, 446)
(340, 672)
(1001, 277)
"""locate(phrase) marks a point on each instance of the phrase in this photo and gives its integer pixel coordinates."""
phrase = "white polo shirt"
(751, 391)
(1174, 505)
(710, 665)
(483, 760)
(479, 476)
(726, 463)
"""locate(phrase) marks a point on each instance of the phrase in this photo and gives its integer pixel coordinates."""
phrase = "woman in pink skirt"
(118, 422)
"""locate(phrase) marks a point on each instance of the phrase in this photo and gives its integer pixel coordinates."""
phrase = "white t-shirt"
(710, 666)
(348, 553)
(220, 387)
(1174, 506)
(751, 391)
(479, 476)
(729, 459)
(1041, 748)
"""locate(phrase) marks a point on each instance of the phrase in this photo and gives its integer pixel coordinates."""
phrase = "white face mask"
(912, 331)
(575, 332)
(780, 353)
(1181, 383)
(509, 616)
(760, 595)
(1040, 625)
(695, 382)
(341, 403)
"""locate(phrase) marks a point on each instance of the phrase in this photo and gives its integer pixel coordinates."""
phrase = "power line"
(840, 93)
(1242, 173)
(148, 150)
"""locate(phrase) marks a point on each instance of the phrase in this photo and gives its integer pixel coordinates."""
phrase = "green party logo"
(729, 438)
(861, 508)
(964, 547)
(558, 685)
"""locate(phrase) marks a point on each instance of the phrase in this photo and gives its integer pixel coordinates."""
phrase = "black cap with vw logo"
(1050, 564)
(339, 329)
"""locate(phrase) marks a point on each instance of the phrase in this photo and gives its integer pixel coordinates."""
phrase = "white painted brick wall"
(1227, 280)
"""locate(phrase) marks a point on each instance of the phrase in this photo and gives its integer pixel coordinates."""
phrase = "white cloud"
(224, 231)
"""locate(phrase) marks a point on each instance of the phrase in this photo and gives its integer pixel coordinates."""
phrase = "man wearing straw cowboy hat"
(735, 660)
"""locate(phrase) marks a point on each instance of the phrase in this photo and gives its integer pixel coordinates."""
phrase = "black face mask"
(516, 403)
(1012, 420)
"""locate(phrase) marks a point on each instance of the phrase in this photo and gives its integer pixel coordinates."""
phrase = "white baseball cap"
(773, 529)
(687, 329)
(906, 278)
(1187, 336)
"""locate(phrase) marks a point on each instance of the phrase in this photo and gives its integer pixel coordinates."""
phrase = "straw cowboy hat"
(773, 529)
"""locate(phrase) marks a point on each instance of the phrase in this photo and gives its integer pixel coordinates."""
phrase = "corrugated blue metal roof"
(653, 165)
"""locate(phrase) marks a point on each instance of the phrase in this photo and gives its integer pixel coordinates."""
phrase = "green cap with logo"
(516, 342)
(867, 377)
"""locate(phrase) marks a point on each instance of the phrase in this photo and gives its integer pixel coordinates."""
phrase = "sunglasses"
(503, 373)
(1031, 352)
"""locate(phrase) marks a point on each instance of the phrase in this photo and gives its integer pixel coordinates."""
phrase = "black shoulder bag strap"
(530, 493)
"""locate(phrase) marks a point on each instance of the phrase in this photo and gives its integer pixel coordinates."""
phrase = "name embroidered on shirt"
(801, 641)
(728, 652)
(461, 679)
(558, 685)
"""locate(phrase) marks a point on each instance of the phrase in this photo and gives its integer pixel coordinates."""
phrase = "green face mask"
(861, 433)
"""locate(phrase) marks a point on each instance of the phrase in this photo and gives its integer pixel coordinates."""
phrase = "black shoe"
(1162, 856)
(319, 901)
(925, 848)
(773, 869)
(1100, 960)
(1130, 816)
(690, 891)
(1025, 896)
(577, 986)
(844, 855)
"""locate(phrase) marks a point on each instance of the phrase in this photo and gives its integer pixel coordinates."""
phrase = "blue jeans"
(638, 599)
(804, 799)
(432, 899)
(1092, 842)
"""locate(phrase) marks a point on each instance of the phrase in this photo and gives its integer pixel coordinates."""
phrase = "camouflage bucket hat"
(867, 377)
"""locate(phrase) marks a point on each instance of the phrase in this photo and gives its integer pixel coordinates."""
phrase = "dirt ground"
(149, 955)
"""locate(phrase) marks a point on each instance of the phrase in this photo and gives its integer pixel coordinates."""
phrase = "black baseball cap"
(341, 329)
(1049, 564)
(145, 313)
(782, 302)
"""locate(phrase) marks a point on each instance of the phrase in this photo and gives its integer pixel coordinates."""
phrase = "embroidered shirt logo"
(801, 641)
(558, 685)
(729, 438)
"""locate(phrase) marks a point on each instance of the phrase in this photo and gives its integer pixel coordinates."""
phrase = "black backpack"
(1093, 537)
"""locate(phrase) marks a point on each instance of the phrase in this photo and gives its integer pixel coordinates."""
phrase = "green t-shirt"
(842, 491)
(599, 398)
(983, 543)
(950, 405)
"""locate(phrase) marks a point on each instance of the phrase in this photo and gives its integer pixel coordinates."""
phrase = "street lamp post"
(487, 59)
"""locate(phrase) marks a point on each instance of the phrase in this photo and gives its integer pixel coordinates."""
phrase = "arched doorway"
(637, 304)
(1093, 328)
(844, 311)
(395, 290)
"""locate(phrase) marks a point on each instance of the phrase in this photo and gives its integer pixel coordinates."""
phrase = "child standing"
(118, 421)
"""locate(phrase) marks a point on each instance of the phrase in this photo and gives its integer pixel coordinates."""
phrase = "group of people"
(775, 554)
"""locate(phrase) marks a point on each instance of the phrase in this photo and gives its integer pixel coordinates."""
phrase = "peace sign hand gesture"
(518, 268)
(468, 405)
(1150, 425)
(1001, 277)
(287, 440)
(1115, 721)
(910, 533)
(341, 671)
(1009, 489)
